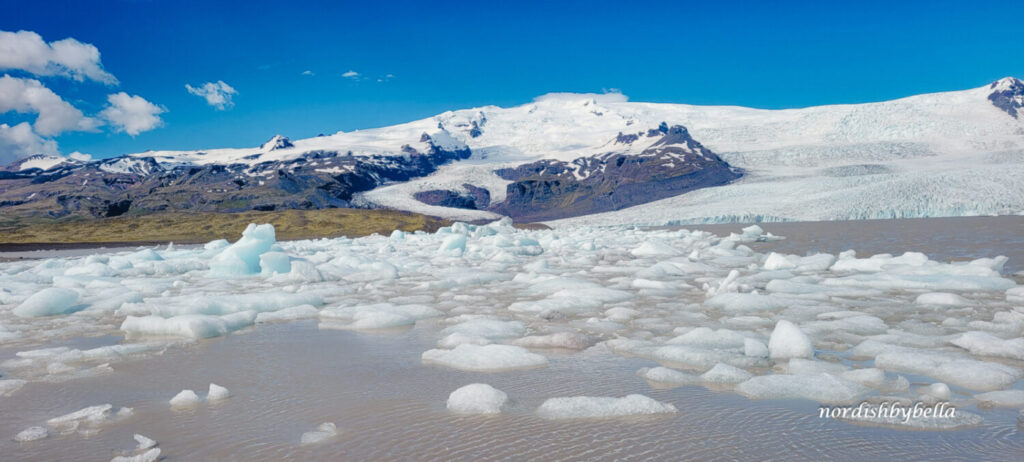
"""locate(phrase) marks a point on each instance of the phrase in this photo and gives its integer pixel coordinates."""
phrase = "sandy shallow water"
(286, 379)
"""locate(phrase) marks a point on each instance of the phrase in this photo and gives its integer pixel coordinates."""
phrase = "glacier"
(956, 153)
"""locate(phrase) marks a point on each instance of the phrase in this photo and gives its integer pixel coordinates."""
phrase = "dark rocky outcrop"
(474, 198)
(140, 185)
(277, 142)
(671, 164)
(1008, 95)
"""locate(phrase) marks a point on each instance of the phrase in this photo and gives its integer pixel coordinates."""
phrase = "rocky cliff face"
(474, 198)
(645, 166)
(140, 185)
(1008, 95)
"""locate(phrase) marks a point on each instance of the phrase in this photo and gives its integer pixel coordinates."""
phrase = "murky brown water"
(288, 378)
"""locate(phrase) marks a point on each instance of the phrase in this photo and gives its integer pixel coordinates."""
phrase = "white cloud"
(217, 94)
(21, 141)
(28, 96)
(132, 114)
(607, 97)
(308, 72)
(27, 51)
(351, 74)
(81, 157)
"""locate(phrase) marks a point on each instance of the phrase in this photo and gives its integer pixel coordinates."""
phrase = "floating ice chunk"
(583, 407)
(666, 375)
(302, 270)
(654, 248)
(217, 393)
(725, 374)
(144, 443)
(986, 344)
(859, 324)
(227, 304)
(1001, 398)
(243, 257)
(490, 329)
(148, 456)
(485, 358)
(869, 377)
(777, 261)
(48, 302)
(848, 262)
(707, 338)
(566, 340)
(744, 302)
(801, 366)
(701, 358)
(950, 368)
(288, 314)
(641, 283)
(726, 285)
(378, 316)
(477, 398)
(940, 298)
(216, 244)
(9, 386)
(938, 390)
(6, 334)
(185, 399)
(323, 432)
(454, 244)
(194, 326)
(817, 262)
(1015, 295)
(380, 320)
(620, 314)
(275, 263)
(823, 388)
(921, 279)
(397, 235)
(92, 415)
(1009, 323)
(455, 339)
(754, 348)
(31, 434)
(788, 341)
(145, 255)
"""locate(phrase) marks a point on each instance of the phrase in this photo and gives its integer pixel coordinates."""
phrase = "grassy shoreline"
(186, 228)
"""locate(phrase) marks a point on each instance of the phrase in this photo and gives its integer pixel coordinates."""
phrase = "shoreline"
(711, 227)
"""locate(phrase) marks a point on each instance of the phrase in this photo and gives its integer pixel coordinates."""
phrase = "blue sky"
(448, 55)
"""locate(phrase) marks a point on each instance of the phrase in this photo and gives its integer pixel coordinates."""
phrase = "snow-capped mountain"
(561, 156)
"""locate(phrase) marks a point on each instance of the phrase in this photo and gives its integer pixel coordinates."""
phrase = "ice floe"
(582, 407)
(149, 455)
(48, 302)
(703, 309)
(477, 398)
(788, 341)
(323, 432)
(185, 399)
(485, 358)
(823, 388)
(217, 393)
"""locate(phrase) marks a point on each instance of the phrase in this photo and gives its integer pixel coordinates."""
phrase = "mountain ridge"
(904, 139)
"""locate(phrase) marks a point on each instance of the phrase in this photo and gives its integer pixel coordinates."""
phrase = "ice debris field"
(705, 310)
